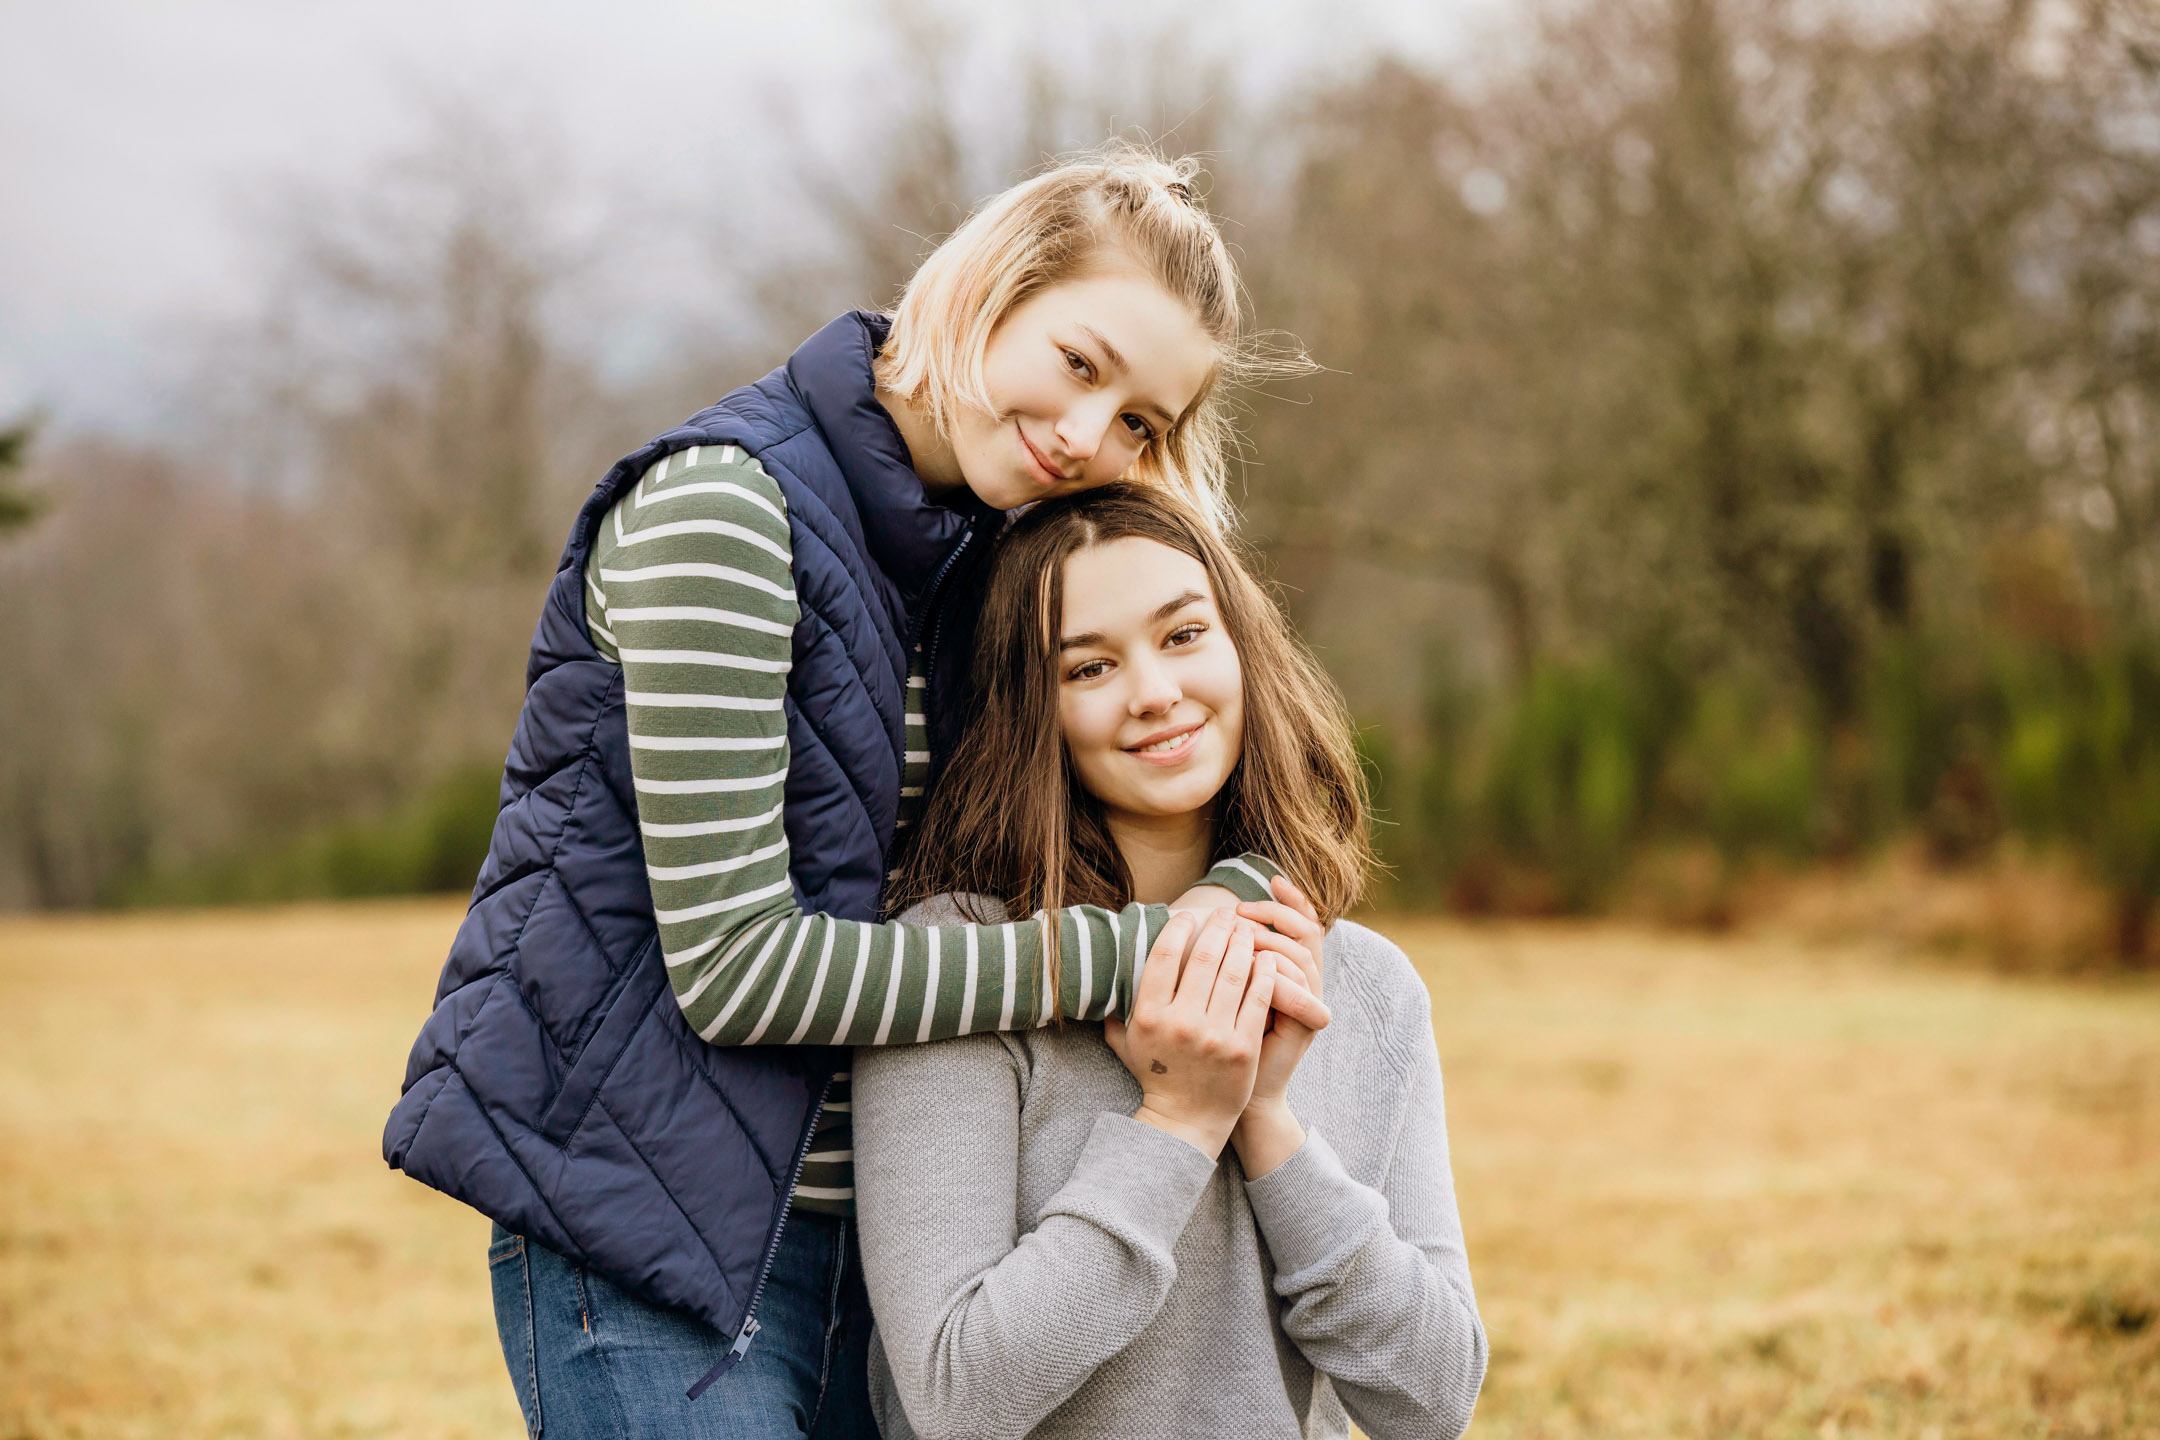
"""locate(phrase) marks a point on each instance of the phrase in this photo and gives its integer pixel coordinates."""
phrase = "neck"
(928, 451)
(1166, 854)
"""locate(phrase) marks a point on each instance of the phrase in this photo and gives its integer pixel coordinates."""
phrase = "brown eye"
(1089, 670)
(1184, 635)
(1078, 364)
(1139, 427)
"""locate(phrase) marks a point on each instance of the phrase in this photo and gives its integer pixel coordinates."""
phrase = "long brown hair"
(1010, 819)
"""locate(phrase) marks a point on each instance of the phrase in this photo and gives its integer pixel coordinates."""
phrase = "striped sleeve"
(1245, 876)
(690, 588)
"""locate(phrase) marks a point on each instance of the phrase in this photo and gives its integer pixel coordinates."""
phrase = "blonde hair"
(1121, 201)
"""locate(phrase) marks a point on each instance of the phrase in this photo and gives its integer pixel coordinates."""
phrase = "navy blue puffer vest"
(557, 1088)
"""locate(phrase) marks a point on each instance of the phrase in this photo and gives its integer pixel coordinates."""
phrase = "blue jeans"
(590, 1360)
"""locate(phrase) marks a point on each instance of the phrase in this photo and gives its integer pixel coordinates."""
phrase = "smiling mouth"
(1171, 748)
(1046, 474)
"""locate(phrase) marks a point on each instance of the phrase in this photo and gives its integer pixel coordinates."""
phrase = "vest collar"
(908, 533)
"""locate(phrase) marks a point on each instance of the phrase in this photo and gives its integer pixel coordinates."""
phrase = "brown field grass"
(1712, 1187)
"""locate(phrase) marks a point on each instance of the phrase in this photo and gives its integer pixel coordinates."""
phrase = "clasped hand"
(1211, 1054)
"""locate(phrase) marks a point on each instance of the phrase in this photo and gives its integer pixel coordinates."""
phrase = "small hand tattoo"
(1158, 1068)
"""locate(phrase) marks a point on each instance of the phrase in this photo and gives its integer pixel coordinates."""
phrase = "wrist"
(1266, 1135)
(1207, 1139)
(1206, 898)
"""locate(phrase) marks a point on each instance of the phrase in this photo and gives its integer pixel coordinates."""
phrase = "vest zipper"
(930, 616)
(750, 1326)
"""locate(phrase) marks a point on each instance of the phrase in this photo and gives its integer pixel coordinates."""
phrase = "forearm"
(772, 975)
(1392, 1326)
(791, 978)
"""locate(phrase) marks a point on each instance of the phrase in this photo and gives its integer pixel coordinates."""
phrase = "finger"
(1232, 978)
(1299, 1003)
(1256, 1004)
(1285, 919)
(1297, 925)
(1197, 981)
(1301, 956)
(1159, 977)
(1294, 960)
(1269, 938)
(1290, 895)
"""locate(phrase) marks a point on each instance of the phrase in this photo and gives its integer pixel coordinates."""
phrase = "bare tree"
(16, 508)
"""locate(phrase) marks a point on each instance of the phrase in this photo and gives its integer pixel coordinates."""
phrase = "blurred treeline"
(1740, 441)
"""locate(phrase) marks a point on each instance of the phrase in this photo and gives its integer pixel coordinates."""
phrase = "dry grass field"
(1712, 1188)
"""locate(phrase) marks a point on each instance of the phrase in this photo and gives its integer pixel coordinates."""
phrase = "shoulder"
(1381, 979)
(701, 485)
(1372, 957)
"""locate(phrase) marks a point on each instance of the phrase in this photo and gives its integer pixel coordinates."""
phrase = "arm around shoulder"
(691, 590)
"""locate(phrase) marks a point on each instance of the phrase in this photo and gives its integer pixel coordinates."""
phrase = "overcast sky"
(134, 133)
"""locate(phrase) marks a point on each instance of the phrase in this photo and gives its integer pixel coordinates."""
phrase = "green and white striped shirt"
(690, 589)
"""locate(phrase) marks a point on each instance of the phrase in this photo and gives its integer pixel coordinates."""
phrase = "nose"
(1154, 690)
(1080, 431)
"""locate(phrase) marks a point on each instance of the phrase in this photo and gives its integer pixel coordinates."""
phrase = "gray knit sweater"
(1042, 1264)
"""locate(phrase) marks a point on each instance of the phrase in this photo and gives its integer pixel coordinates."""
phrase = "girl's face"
(1082, 376)
(1151, 698)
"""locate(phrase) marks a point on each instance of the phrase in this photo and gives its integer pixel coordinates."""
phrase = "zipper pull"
(729, 1361)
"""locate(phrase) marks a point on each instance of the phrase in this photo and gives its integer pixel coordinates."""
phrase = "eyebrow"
(1117, 363)
(1162, 612)
(1110, 352)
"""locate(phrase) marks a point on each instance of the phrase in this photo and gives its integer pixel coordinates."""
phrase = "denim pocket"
(504, 1247)
(510, 1275)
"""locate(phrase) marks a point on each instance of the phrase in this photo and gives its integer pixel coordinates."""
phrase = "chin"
(1005, 492)
(1166, 801)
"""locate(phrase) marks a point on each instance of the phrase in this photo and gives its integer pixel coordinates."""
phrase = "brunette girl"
(1056, 1241)
(751, 661)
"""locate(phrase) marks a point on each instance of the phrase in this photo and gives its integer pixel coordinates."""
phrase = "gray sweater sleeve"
(987, 1330)
(1376, 1283)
